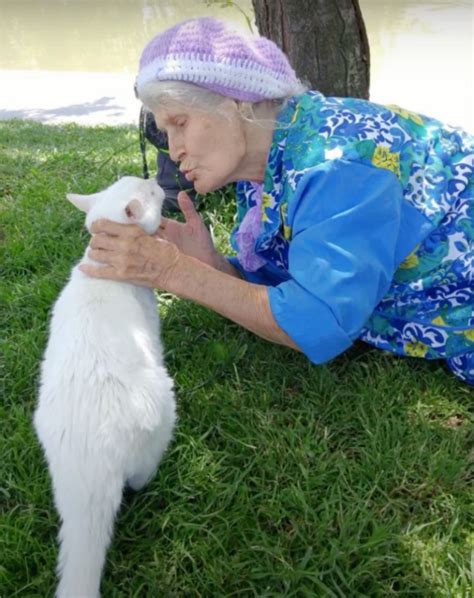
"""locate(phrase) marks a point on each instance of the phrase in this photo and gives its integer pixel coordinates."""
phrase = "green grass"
(284, 479)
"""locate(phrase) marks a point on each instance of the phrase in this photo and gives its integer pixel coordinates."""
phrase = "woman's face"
(209, 147)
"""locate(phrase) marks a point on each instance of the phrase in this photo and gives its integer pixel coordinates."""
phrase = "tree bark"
(325, 41)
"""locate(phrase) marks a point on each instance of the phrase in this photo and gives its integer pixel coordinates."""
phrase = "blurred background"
(75, 60)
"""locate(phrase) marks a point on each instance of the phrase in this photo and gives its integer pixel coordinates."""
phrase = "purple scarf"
(247, 234)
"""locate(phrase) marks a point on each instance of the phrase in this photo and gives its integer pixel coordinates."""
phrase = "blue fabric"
(269, 275)
(428, 309)
(463, 367)
(347, 242)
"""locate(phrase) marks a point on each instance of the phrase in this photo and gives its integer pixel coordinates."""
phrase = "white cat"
(106, 407)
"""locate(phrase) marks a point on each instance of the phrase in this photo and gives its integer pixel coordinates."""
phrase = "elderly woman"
(354, 220)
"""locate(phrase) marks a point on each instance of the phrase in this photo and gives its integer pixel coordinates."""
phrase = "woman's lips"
(188, 174)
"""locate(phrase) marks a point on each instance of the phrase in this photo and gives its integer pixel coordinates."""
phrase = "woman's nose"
(176, 149)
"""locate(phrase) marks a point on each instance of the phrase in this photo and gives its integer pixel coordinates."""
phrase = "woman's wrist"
(221, 263)
(185, 271)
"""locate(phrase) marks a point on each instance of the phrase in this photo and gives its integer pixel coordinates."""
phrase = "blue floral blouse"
(365, 229)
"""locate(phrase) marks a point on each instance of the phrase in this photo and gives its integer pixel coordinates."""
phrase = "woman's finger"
(99, 271)
(115, 229)
(101, 255)
(102, 241)
(187, 207)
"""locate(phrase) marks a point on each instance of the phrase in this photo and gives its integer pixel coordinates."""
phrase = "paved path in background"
(55, 97)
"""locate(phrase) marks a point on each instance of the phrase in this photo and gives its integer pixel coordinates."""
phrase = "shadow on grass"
(45, 116)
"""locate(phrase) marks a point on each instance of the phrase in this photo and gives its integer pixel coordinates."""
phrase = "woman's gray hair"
(165, 93)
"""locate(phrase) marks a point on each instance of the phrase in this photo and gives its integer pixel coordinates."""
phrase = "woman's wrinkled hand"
(124, 252)
(190, 237)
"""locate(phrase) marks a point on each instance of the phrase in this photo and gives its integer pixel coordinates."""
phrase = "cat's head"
(130, 200)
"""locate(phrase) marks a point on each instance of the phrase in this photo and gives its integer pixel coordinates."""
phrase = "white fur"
(106, 407)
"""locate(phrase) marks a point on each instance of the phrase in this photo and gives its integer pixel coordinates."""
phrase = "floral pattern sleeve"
(347, 243)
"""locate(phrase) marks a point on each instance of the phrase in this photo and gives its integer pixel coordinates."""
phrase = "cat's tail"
(87, 515)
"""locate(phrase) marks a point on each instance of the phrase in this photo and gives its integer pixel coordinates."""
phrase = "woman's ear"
(245, 110)
(83, 202)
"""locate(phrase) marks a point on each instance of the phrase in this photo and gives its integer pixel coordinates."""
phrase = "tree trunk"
(325, 41)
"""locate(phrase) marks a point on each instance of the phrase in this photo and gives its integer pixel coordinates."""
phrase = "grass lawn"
(284, 479)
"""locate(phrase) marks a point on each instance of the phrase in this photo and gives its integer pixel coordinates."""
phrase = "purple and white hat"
(211, 54)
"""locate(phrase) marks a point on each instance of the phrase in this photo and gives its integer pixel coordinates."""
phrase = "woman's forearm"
(126, 253)
(220, 263)
(226, 293)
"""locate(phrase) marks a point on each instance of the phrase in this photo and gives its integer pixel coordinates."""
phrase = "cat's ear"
(134, 210)
(83, 202)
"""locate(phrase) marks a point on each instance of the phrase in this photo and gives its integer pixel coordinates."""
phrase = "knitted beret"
(211, 54)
